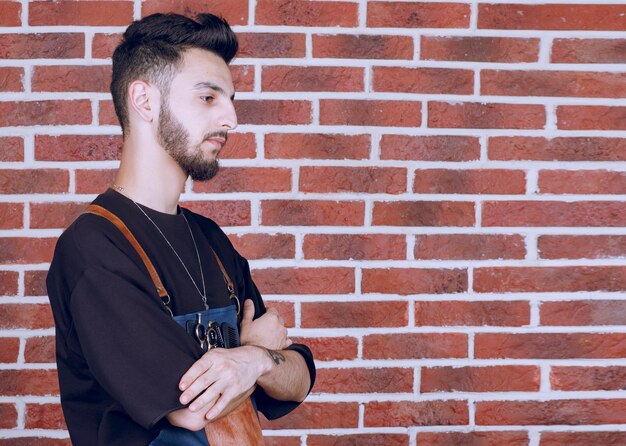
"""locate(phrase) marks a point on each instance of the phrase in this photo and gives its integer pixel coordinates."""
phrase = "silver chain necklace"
(203, 293)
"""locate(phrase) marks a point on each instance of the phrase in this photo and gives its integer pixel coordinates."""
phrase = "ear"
(142, 100)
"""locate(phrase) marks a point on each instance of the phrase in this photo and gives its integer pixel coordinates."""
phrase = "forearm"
(287, 377)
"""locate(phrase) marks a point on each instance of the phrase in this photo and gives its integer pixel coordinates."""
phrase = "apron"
(176, 436)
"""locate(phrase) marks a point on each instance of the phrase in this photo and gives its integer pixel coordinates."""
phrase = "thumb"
(248, 311)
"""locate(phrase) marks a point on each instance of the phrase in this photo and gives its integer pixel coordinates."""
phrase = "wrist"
(262, 359)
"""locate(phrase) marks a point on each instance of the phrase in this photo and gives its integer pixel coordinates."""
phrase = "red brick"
(35, 283)
(554, 213)
(273, 112)
(273, 45)
(469, 246)
(34, 181)
(223, 212)
(406, 281)
(582, 182)
(584, 312)
(582, 438)
(103, 45)
(265, 246)
(10, 13)
(42, 46)
(44, 416)
(45, 113)
(479, 49)
(549, 345)
(94, 181)
(40, 349)
(312, 78)
(316, 146)
(417, 15)
(358, 440)
(574, 412)
(472, 181)
(72, 78)
(9, 349)
(281, 441)
(243, 77)
(8, 283)
(247, 179)
(557, 17)
(591, 117)
(11, 79)
(317, 416)
(476, 115)
(553, 83)
(362, 46)
(513, 378)
(11, 148)
(25, 316)
(588, 51)
(550, 278)
(54, 215)
(370, 113)
(285, 310)
(106, 113)
(304, 280)
(239, 146)
(35, 441)
(306, 13)
(581, 246)
(556, 149)
(423, 80)
(312, 213)
(372, 180)
(28, 382)
(423, 213)
(364, 380)
(235, 11)
(8, 411)
(78, 147)
(429, 148)
(482, 438)
(354, 246)
(354, 314)
(415, 346)
(412, 413)
(11, 215)
(330, 348)
(588, 378)
(478, 313)
(89, 13)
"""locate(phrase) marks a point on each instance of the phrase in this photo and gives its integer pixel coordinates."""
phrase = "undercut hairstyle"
(152, 50)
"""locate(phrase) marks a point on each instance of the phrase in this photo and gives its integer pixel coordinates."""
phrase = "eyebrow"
(212, 86)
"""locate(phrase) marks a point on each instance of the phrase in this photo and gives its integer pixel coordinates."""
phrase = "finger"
(220, 405)
(198, 386)
(207, 398)
(248, 311)
(197, 369)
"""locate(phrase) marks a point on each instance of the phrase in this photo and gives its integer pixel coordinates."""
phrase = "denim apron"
(176, 436)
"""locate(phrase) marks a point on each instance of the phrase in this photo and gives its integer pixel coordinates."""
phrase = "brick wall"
(432, 193)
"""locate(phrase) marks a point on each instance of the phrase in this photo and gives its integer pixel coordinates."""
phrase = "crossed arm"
(223, 379)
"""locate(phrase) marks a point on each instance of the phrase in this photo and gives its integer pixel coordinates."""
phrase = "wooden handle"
(241, 427)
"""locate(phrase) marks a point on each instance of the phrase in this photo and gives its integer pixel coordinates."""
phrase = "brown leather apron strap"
(163, 294)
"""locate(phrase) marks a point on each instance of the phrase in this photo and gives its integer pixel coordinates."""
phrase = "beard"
(174, 138)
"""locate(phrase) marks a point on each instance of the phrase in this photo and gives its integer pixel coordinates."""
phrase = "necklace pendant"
(206, 306)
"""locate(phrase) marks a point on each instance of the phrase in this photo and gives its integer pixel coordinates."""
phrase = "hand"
(221, 377)
(266, 331)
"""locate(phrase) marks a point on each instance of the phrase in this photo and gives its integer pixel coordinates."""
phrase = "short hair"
(152, 49)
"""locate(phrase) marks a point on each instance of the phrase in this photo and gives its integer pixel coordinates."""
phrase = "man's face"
(197, 113)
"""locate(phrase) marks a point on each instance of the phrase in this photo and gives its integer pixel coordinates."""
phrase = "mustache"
(216, 135)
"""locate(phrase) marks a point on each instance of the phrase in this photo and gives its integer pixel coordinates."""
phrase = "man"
(129, 374)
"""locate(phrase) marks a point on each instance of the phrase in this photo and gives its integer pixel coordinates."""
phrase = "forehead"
(201, 66)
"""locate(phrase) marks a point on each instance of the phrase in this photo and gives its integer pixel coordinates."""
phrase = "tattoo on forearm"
(277, 357)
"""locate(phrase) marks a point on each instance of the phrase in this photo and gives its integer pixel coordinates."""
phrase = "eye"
(207, 98)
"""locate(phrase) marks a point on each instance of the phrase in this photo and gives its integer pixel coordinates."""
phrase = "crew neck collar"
(152, 212)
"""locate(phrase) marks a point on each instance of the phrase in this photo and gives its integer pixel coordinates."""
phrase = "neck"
(149, 176)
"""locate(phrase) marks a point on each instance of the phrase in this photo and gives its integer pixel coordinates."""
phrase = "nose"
(228, 120)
